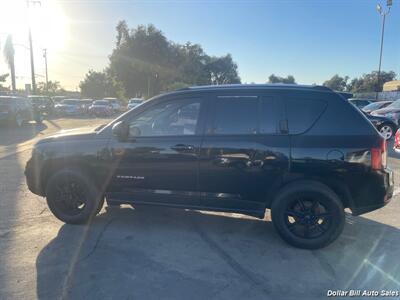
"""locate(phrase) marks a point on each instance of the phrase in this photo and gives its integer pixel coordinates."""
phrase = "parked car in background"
(85, 104)
(386, 126)
(115, 103)
(232, 148)
(396, 144)
(360, 103)
(18, 110)
(345, 95)
(101, 108)
(43, 103)
(132, 103)
(68, 107)
(375, 106)
(392, 111)
(58, 99)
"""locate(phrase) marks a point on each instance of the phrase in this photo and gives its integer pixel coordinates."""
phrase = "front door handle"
(182, 147)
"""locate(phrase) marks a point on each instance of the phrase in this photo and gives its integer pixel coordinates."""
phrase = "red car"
(101, 108)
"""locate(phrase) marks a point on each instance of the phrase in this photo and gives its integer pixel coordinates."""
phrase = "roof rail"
(273, 85)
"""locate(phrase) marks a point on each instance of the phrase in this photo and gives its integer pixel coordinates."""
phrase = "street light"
(383, 13)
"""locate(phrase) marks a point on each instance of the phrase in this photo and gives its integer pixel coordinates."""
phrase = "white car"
(115, 103)
(134, 102)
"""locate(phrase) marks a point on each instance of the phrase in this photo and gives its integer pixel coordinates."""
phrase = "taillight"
(378, 156)
(396, 140)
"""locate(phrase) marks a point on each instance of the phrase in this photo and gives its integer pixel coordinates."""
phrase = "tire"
(39, 119)
(387, 131)
(308, 214)
(72, 197)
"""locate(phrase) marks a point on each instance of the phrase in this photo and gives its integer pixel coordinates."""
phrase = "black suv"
(304, 152)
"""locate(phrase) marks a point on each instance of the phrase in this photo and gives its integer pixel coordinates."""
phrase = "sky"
(309, 39)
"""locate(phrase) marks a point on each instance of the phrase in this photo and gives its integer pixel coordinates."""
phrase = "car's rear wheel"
(387, 131)
(72, 197)
(308, 215)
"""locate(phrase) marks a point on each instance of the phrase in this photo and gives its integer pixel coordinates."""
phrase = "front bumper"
(32, 176)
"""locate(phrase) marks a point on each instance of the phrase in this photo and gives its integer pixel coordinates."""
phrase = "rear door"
(244, 151)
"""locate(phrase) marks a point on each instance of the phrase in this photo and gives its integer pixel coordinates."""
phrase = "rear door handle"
(182, 147)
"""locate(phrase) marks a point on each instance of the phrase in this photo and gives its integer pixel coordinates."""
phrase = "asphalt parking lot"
(152, 253)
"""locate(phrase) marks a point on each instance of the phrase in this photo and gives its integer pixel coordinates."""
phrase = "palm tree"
(9, 57)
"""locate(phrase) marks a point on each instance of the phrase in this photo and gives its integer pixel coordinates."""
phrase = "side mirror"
(121, 130)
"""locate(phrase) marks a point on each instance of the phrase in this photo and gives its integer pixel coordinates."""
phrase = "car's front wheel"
(72, 197)
(308, 215)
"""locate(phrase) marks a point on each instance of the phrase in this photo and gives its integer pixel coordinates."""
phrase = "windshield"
(101, 102)
(70, 102)
(373, 106)
(395, 104)
(135, 101)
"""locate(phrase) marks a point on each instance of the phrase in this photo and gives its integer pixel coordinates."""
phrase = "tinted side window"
(302, 113)
(177, 117)
(235, 115)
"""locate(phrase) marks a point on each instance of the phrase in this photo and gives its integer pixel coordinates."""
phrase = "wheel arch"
(338, 186)
(53, 166)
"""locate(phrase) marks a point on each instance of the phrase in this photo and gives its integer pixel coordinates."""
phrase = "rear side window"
(302, 113)
(235, 115)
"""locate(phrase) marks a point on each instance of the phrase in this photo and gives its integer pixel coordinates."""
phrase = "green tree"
(53, 88)
(98, 85)
(337, 83)
(9, 53)
(222, 70)
(277, 79)
(145, 62)
(3, 79)
(177, 85)
(369, 82)
(122, 32)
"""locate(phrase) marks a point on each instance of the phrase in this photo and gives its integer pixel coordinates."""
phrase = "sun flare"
(46, 18)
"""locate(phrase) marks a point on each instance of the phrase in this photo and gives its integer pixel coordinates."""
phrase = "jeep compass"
(303, 152)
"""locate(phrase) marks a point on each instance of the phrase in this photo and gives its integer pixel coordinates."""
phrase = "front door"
(159, 161)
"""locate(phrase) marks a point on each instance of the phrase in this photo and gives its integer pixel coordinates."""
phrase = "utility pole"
(28, 2)
(383, 14)
(32, 63)
(45, 63)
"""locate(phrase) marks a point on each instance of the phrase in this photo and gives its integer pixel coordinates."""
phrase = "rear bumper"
(375, 196)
